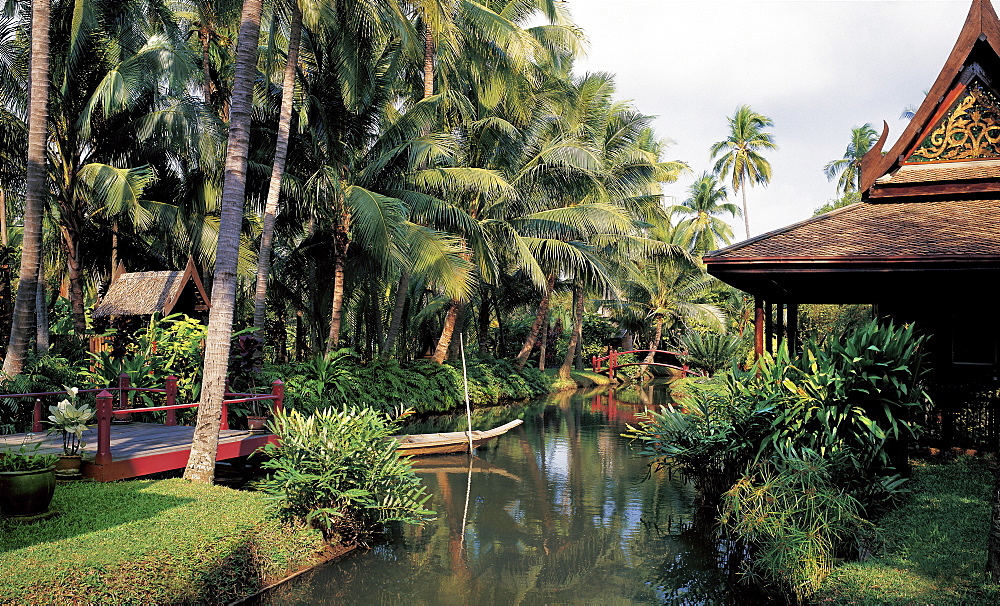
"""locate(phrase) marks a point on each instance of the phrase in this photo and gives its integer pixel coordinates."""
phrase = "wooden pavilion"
(923, 245)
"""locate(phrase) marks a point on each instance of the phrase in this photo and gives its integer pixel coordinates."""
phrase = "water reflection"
(557, 511)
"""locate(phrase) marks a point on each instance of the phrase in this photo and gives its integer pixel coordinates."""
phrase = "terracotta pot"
(971, 452)
(26, 493)
(933, 451)
(68, 467)
(256, 423)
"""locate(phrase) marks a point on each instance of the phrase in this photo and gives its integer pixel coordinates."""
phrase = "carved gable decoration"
(969, 130)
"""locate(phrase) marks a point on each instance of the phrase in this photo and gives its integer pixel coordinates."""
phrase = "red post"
(278, 391)
(224, 422)
(103, 456)
(123, 385)
(612, 363)
(36, 416)
(758, 327)
(170, 383)
(593, 364)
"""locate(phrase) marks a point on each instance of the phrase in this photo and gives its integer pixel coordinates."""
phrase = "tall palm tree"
(703, 227)
(205, 443)
(36, 190)
(739, 154)
(849, 167)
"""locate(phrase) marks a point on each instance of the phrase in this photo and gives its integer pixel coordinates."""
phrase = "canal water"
(558, 511)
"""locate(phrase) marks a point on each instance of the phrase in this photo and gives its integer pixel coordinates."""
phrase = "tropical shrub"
(797, 519)
(711, 436)
(337, 470)
(39, 374)
(712, 351)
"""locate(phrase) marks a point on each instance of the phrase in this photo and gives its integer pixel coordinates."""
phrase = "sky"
(817, 68)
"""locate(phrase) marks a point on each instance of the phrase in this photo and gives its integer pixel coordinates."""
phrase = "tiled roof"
(140, 293)
(968, 228)
(945, 171)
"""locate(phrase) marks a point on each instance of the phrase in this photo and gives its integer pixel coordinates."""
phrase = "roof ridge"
(780, 230)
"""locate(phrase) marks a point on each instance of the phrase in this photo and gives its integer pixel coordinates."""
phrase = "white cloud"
(816, 68)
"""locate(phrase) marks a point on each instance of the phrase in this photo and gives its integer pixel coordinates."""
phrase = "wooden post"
(36, 416)
(103, 456)
(278, 391)
(768, 327)
(612, 362)
(224, 421)
(593, 364)
(123, 385)
(779, 327)
(758, 327)
(171, 384)
(793, 328)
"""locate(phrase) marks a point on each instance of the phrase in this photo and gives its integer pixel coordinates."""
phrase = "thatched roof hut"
(144, 293)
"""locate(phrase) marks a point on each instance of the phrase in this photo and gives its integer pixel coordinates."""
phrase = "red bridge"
(614, 364)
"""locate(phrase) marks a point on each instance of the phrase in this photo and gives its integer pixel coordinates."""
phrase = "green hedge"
(421, 385)
(150, 542)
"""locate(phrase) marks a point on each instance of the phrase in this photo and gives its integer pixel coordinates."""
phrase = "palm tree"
(739, 154)
(36, 190)
(849, 167)
(703, 229)
(205, 443)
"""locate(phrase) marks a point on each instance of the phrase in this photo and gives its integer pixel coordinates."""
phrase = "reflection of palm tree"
(703, 229)
(739, 153)
(849, 167)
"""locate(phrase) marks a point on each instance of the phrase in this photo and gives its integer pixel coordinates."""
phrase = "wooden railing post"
(593, 364)
(278, 391)
(224, 421)
(612, 363)
(36, 416)
(103, 456)
(123, 385)
(171, 385)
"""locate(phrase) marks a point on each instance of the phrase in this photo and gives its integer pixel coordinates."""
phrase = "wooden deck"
(138, 449)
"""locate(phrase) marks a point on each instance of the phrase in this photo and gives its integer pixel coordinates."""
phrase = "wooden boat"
(449, 442)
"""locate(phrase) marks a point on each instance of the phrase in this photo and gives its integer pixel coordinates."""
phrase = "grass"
(934, 545)
(149, 542)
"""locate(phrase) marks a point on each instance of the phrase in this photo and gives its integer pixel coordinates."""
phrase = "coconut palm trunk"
(205, 444)
(536, 326)
(746, 216)
(654, 344)
(280, 156)
(41, 313)
(444, 341)
(576, 335)
(36, 188)
(341, 244)
(74, 270)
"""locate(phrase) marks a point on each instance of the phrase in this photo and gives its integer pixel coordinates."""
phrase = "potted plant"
(70, 420)
(257, 415)
(27, 481)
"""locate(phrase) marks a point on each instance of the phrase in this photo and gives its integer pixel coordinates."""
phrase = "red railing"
(106, 410)
(612, 358)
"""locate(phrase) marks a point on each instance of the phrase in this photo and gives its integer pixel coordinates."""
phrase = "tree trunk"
(543, 313)
(278, 169)
(337, 306)
(205, 444)
(206, 40)
(428, 60)
(74, 271)
(746, 217)
(654, 343)
(577, 333)
(36, 189)
(450, 319)
(484, 323)
(41, 314)
(543, 347)
(397, 313)
(454, 345)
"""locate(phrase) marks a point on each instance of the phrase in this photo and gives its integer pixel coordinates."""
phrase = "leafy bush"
(337, 470)
(711, 436)
(796, 518)
(713, 351)
(39, 374)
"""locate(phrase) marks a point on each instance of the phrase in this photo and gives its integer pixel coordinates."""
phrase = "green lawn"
(149, 542)
(934, 548)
